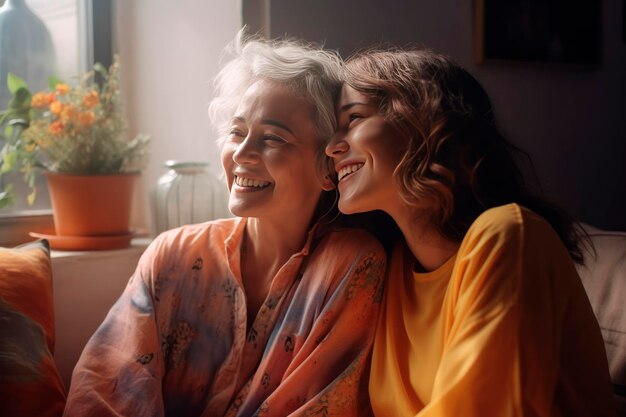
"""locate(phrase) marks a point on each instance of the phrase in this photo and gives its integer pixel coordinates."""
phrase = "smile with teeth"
(347, 170)
(247, 182)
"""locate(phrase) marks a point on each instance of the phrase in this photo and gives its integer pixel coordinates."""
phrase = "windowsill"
(138, 245)
(85, 285)
(15, 227)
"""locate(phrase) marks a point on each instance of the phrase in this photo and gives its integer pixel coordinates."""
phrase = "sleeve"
(329, 374)
(120, 369)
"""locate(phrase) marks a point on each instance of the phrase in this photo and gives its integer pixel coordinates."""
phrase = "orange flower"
(56, 107)
(86, 119)
(42, 99)
(91, 99)
(68, 114)
(62, 89)
(56, 127)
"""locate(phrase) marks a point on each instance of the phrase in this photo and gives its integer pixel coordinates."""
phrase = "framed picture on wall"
(538, 31)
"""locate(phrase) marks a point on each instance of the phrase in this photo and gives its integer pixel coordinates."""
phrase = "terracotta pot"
(91, 205)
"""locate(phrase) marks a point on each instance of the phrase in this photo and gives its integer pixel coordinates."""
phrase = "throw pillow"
(30, 384)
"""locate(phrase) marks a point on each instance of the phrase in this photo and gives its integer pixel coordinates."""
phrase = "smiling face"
(366, 150)
(269, 155)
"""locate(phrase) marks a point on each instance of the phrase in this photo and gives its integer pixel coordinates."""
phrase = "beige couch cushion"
(604, 278)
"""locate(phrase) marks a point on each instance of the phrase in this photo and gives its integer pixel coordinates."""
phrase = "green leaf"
(53, 80)
(100, 68)
(21, 99)
(10, 159)
(15, 83)
(9, 130)
(31, 197)
(14, 117)
(7, 196)
(30, 178)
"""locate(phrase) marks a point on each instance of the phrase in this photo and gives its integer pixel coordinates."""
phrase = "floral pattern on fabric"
(176, 343)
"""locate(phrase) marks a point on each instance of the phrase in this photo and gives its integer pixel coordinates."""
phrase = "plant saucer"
(81, 243)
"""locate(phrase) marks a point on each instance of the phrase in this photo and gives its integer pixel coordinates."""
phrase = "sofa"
(604, 278)
(30, 384)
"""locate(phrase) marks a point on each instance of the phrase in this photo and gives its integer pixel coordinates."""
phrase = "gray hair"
(309, 71)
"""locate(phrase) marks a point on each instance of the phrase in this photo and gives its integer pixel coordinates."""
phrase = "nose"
(246, 152)
(337, 146)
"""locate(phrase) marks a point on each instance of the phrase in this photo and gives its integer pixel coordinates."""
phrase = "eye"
(274, 139)
(236, 134)
(352, 117)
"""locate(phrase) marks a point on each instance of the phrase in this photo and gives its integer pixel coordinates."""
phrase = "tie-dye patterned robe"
(175, 343)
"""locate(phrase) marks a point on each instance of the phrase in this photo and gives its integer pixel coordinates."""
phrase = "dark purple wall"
(571, 120)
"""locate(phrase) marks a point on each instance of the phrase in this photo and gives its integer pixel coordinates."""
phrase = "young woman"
(484, 313)
(271, 313)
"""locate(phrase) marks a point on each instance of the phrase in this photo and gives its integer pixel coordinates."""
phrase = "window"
(80, 34)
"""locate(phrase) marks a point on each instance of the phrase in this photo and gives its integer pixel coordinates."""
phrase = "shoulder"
(188, 249)
(349, 252)
(183, 241)
(510, 232)
(510, 222)
(501, 220)
(346, 241)
(190, 234)
(347, 264)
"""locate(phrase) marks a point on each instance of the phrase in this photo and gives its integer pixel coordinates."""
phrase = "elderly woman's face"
(269, 156)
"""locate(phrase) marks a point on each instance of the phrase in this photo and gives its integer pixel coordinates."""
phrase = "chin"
(347, 208)
(235, 210)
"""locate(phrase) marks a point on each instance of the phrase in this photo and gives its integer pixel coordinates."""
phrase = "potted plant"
(74, 135)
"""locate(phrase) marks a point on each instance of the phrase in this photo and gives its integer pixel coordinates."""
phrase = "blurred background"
(555, 70)
(570, 116)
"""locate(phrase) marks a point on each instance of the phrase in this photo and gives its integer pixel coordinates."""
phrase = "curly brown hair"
(458, 164)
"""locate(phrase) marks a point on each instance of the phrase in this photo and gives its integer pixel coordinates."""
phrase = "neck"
(269, 245)
(429, 247)
(266, 248)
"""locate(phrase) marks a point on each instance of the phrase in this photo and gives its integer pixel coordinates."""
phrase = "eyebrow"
(270, 122)
(277, 124)
(348, 106)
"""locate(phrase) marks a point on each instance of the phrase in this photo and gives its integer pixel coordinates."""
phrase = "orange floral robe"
(175, 343)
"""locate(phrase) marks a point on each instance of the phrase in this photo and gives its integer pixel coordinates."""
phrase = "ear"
(327, 183)
(325, 171)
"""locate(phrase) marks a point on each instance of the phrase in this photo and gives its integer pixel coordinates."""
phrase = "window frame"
(95, 22)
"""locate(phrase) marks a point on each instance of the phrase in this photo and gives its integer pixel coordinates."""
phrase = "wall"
(571, 121)
(86, 284)
(169, 53)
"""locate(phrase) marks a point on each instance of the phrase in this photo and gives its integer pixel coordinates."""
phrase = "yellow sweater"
(503, 328)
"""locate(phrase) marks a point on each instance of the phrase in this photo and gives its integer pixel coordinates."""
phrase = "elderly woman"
(271, 313)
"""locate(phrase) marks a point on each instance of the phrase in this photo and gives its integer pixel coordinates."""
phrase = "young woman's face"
(269, 156)
(366, 150)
